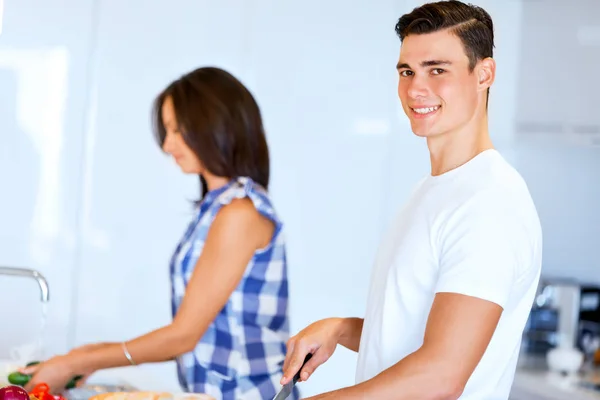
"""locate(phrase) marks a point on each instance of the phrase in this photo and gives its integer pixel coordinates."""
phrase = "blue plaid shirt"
(241, 354)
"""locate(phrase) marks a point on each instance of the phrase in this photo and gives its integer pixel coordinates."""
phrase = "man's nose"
(418, 87)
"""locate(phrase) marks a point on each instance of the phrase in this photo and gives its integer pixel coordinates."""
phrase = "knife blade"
(286, 390)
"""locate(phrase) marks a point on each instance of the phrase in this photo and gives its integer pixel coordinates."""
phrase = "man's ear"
(486, 73)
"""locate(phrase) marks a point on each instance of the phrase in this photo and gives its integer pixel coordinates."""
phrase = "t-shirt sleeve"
(480, 249)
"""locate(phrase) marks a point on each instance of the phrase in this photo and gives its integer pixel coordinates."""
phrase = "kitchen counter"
(533, 381)
(148, 377)
(144, 378)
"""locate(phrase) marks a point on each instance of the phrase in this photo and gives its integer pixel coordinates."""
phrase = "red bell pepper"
(42, 392)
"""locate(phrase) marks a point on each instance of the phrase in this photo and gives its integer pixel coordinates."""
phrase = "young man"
(455, 278)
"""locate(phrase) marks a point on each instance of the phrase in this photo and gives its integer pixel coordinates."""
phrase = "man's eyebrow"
(433, 63)
(428, 63)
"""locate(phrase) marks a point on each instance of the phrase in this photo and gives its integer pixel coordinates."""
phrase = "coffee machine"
(565, 311)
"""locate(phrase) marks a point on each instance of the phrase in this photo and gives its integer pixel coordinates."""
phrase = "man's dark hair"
(472, 24)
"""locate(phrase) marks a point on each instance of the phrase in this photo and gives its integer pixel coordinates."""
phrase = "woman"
(228, 272)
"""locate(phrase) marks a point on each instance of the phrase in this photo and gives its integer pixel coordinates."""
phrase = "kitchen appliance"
(565, 312)
(588, 339)
(564, 358)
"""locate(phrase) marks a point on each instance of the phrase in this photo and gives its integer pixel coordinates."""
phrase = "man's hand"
(320, 339)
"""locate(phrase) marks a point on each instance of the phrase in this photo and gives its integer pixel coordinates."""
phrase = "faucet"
(29, 273)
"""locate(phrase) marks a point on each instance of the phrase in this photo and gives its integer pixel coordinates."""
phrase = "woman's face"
(174, 144)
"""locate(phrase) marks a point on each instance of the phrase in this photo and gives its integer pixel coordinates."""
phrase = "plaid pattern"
(241, 354)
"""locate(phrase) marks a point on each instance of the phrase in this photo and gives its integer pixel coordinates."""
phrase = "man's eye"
(406, 73)
(437, 71)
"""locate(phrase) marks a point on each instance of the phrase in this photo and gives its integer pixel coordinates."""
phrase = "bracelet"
(126, 352)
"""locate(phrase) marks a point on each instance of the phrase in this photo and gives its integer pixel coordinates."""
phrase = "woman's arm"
(236, 233)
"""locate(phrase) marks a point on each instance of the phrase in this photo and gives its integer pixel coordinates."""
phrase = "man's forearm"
(418, 376)
(421, 375)
(350, 333)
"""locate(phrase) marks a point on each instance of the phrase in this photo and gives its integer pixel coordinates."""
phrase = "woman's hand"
(55, 372)
(58, 371)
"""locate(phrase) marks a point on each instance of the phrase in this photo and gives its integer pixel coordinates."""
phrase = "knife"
(286, 390)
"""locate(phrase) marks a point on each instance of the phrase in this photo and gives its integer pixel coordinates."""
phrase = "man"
(455, 278)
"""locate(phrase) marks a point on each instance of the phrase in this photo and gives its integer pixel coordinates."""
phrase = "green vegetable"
(73, 382)
(17, 378)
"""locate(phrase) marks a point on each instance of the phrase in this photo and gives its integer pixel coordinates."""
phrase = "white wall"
(44, 54)
(100, 209)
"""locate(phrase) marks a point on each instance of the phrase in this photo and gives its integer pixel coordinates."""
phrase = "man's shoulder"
(500, 200)
(496, 184)
(493, 197)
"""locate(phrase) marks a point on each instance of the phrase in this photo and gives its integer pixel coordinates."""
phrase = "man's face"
(439, 93)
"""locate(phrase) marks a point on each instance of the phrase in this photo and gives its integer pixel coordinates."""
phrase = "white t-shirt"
(473, 230)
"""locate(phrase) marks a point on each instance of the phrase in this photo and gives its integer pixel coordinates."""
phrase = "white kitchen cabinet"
(558, 85)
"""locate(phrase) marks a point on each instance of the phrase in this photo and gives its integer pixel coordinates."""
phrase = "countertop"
(533, 381)
(145, 377)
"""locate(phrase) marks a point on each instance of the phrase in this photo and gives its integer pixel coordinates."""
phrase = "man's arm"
(485, 249)
(233, 238)
(350, 333)
(459, 329)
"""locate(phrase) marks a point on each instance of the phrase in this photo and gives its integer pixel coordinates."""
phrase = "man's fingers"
(290, 343)
(295, 363)
(318, 358)
(290, 349)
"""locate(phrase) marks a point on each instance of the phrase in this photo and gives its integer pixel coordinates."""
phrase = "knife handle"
(297, 375)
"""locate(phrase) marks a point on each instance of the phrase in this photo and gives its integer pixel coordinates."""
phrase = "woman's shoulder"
(247, 204)
(254, 193)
